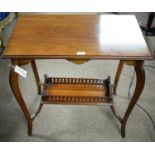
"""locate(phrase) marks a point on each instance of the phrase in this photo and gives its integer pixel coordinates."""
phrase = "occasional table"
(77, 38)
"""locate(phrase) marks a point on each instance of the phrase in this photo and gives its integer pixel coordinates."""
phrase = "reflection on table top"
(77, 37)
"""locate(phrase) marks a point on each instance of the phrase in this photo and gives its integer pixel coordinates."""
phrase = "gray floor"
(76, 123)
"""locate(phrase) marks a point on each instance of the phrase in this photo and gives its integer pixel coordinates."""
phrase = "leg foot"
(30, 129)
(123, 130)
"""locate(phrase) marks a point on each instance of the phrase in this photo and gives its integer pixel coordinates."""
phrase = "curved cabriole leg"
(13, 79)
(140, 76)
(117, 77)
(36, 75)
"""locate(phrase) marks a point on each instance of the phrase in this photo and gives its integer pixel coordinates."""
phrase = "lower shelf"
(77, 91)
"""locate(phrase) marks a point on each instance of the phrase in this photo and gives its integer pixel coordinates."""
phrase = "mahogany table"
(78, 38)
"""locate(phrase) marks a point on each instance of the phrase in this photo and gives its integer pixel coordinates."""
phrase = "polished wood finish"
(77, 91)
(16, 91)
(62, 36)
(74, 90)
(13, 79)
(117, 77)
(36, 75)
(140, 82)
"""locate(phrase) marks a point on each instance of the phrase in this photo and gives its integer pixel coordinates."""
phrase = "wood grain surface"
(63, 36)
(76, 89)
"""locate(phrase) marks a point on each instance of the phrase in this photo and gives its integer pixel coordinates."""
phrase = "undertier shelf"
(77, 91)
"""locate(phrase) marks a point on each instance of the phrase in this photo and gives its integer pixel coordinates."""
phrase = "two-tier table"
(77, 38)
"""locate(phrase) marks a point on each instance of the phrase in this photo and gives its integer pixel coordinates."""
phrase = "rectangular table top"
(77, 37)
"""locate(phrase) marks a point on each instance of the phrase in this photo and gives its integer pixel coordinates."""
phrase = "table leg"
(13, 79)
(140, 81)
(117, 77)
(36, 75)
